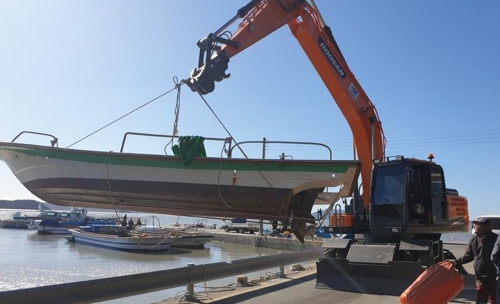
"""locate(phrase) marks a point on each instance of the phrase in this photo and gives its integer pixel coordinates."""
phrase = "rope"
(176, 111)
(218, 176)
(109, 185)
(162, 242)
(123, 116)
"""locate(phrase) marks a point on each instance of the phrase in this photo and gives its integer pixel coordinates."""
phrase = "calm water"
(31, 260)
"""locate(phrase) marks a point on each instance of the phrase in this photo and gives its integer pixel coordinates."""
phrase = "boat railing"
(265, 142)
(154, 222)
(226, 140)
(199, 225)
(232, 144)
(53, 142)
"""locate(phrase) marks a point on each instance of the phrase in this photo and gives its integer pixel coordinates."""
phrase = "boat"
(15, 222)
(118, 237)
(28, 222)
(63, 226)
(185, 236)
(75, 218)
(268, 189)
(33, 224)
(59, 225)
(181, 239)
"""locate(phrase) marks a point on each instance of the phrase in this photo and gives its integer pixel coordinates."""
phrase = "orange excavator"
(388, 232)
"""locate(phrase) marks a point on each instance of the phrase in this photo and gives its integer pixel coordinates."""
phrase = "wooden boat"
(279, 189)
(180, 239)
(188, 236)
(118, 238)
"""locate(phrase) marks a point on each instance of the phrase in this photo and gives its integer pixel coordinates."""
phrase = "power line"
(399, 145)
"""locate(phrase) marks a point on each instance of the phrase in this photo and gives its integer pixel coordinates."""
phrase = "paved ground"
(301, 288)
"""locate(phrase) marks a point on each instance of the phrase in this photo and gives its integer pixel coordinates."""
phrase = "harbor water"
(32, 260)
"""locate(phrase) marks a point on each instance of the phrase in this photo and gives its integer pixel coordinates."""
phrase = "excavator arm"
(262, 17)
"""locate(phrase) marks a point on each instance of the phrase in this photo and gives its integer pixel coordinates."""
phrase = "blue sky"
(430, 67)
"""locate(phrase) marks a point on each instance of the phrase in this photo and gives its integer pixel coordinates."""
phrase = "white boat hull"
(122, 243)
(193, 241)
(53, 229)
(33, 224)
(212, 187)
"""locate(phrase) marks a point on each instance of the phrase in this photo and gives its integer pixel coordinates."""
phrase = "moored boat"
(181, 239)
(64, 220)
(26, 222)
(33, 224)
(191, 240)
(73, 219)
(185, 236)
(15, 223)
(117, 237)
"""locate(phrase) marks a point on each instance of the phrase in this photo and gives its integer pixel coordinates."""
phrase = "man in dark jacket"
(479, 250)
(495, 258)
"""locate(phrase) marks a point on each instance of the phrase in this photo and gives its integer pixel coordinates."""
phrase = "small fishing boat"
(63, 226)
(185, 236)
(269, 189)
(118, 237)
(31, 222)
(15, 222)
(59, 225)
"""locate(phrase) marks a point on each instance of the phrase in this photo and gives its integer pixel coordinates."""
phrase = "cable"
(176, 111)
(218, 176)
(109, 185)
(122, 117)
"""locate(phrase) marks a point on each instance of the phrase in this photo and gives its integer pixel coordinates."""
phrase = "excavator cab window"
(389, 186)
(426, 194)
(416, 196)
(388, 194)
(438, 196)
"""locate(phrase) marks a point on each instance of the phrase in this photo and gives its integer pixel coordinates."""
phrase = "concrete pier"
(299, 287)
(256, 240)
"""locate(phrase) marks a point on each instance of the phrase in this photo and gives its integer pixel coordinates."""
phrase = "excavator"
(389, 229)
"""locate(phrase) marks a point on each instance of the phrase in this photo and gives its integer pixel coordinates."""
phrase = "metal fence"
(130, 285)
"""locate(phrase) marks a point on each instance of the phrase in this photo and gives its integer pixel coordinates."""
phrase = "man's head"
(482, 226)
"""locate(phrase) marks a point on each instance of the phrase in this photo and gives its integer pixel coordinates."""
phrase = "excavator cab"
(409, 208)
(408, 199)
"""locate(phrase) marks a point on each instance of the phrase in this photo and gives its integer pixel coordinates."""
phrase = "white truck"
(240, 225)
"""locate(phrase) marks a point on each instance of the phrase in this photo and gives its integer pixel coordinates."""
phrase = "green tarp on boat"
(189, 147)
